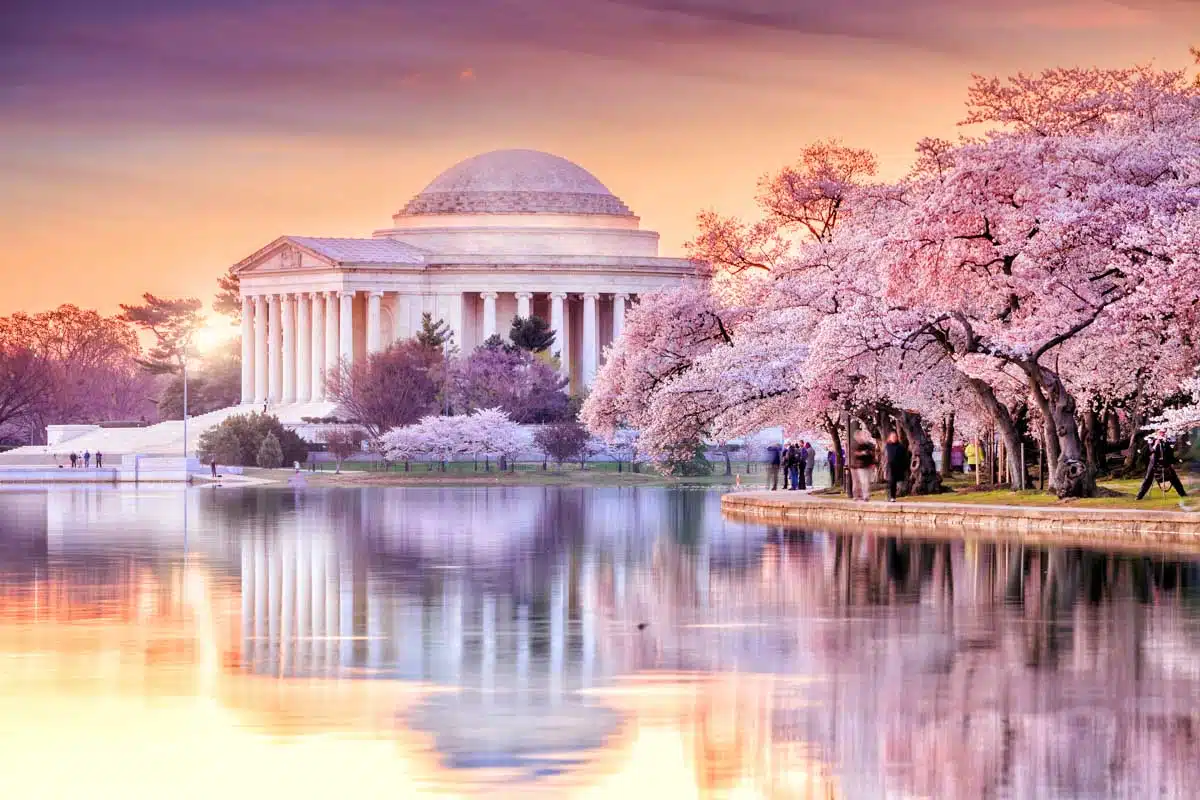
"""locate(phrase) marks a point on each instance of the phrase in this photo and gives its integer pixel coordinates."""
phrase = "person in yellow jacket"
(973, 454)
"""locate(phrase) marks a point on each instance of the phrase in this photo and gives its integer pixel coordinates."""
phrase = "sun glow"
(215, 332)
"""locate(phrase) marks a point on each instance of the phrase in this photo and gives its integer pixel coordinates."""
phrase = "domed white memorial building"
(503, 234)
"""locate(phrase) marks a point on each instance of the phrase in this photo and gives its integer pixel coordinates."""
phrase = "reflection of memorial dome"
(532, 741)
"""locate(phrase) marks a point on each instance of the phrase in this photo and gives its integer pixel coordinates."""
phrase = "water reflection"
(512, 641)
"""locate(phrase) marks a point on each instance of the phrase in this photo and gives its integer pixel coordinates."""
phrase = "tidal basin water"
(558, 642)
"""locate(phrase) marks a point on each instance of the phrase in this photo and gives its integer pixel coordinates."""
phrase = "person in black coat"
(1162, 466)
(792, 462)
(897, 458)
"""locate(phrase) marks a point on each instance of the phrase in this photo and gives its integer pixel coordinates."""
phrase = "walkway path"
(1112, 526)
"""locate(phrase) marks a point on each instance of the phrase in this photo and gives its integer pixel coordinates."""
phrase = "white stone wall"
(498, 240)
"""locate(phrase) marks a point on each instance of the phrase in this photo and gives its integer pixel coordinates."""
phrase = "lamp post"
(185, 345)
(185, 404)
(185, 409)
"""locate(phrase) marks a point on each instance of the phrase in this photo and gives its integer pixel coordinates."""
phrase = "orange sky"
(146, 146)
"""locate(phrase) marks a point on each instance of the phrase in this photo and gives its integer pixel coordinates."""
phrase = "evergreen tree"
(270, 454)
(494, 342)
(435, 334)
(228, 300)
(532, 334)
(173, 322)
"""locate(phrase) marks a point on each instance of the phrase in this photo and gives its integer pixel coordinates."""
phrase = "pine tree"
(532, 334)
(228, 300)
(435, 334)
(270, 455)
(173, 322)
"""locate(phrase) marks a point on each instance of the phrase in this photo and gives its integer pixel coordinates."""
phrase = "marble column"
(403, 328)
(317, 346)
(489, 314)
(261, 642)
(247, 349)
(558, 321)
(248, 589)
(260, 349)
(619, 301)
(287, 605)
(560, 590)
(524, 300)
(303, 349)
(332, 326)
(374, 322)
(289, 348)
(274, 390)
(346, 335)
(523, 650)
(273, 577)
(590, 351)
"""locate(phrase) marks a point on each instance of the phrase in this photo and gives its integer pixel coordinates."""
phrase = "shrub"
(270, 454)
(238, 439)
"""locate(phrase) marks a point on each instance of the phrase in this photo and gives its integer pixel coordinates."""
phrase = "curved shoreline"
(1108, 527)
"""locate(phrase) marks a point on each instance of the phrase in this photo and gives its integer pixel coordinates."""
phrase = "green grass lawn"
(1126, 490)
(525, 473)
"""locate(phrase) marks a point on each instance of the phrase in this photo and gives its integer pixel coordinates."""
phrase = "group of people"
(796, 461)
(85, 460)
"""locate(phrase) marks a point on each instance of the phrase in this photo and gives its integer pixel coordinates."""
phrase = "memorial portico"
(504, 234)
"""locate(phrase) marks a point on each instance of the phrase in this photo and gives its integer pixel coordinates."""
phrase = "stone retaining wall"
(1107, 527)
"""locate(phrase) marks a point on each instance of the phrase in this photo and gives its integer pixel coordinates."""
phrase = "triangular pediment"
(284, 255)
(307, 252)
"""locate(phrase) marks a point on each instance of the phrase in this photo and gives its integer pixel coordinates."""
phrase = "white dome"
(516, 182)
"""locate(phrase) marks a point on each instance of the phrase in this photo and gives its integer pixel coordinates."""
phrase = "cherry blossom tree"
(1181, 419)
(489, 432)
(1039, 231)
(1027, 267)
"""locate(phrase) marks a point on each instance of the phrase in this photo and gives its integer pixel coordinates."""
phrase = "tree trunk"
(1003, 421)
(1135, 436)
(851, 431)
(728, 464)
(947, 444)
(1050, 440)
(1072, 475)
(1112, 429)
(923, 477)
(1049, 436)
(1093, 440)
(883, 419)
(834, 431)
